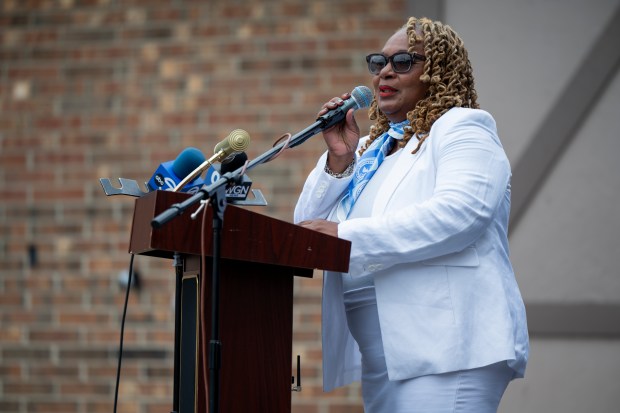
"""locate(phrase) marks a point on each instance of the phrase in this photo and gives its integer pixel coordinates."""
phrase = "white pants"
(476, 391)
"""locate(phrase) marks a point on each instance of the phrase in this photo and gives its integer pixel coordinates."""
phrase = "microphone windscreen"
(362, 96)
(237, 141)
(188, 160)
(234, 163)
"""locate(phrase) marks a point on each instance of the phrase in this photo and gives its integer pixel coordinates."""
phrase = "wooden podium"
(259, 258)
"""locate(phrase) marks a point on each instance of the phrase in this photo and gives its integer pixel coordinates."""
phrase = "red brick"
(73, 389)
(52, 336)
(95, 372)
(9, 406)
(85, 319)
(11, 371)
(52, 407)
(50, 371)
(31, 389)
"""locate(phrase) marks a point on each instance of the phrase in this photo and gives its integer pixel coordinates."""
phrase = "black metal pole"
(218, 203)
(178, 268)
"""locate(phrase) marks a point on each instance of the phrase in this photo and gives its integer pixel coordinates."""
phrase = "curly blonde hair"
(448, 73)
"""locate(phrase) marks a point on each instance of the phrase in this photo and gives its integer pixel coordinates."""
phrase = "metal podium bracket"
(128, 187)
(258, 200)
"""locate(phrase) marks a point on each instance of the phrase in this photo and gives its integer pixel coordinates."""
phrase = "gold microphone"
(237, 141)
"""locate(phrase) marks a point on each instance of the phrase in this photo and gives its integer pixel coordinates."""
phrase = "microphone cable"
(287, 140)
(120, 349)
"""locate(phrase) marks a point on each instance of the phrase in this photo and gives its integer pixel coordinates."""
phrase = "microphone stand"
(178, 270)
(217, 195)
(218, 203)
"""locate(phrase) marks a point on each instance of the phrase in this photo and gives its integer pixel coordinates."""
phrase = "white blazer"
(436, 243)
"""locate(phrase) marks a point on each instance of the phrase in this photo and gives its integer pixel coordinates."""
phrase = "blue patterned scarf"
(368, 164)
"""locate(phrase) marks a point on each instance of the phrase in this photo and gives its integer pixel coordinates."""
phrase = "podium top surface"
(246, 236)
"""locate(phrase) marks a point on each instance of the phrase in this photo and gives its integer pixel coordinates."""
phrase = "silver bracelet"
(347, 172)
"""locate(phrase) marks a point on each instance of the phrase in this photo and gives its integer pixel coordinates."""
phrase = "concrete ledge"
(573, 320)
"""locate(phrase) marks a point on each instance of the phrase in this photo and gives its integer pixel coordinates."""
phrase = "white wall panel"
(523, 53)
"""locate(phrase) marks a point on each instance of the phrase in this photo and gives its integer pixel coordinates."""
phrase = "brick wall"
(110, 88)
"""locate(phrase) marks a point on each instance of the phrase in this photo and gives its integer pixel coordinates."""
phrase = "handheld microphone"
(237, 141)
(361, 97)
(169, 174)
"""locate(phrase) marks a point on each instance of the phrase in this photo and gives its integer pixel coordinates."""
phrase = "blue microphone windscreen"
(188, 160)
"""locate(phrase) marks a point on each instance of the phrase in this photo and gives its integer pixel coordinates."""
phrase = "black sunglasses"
(401, 61)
